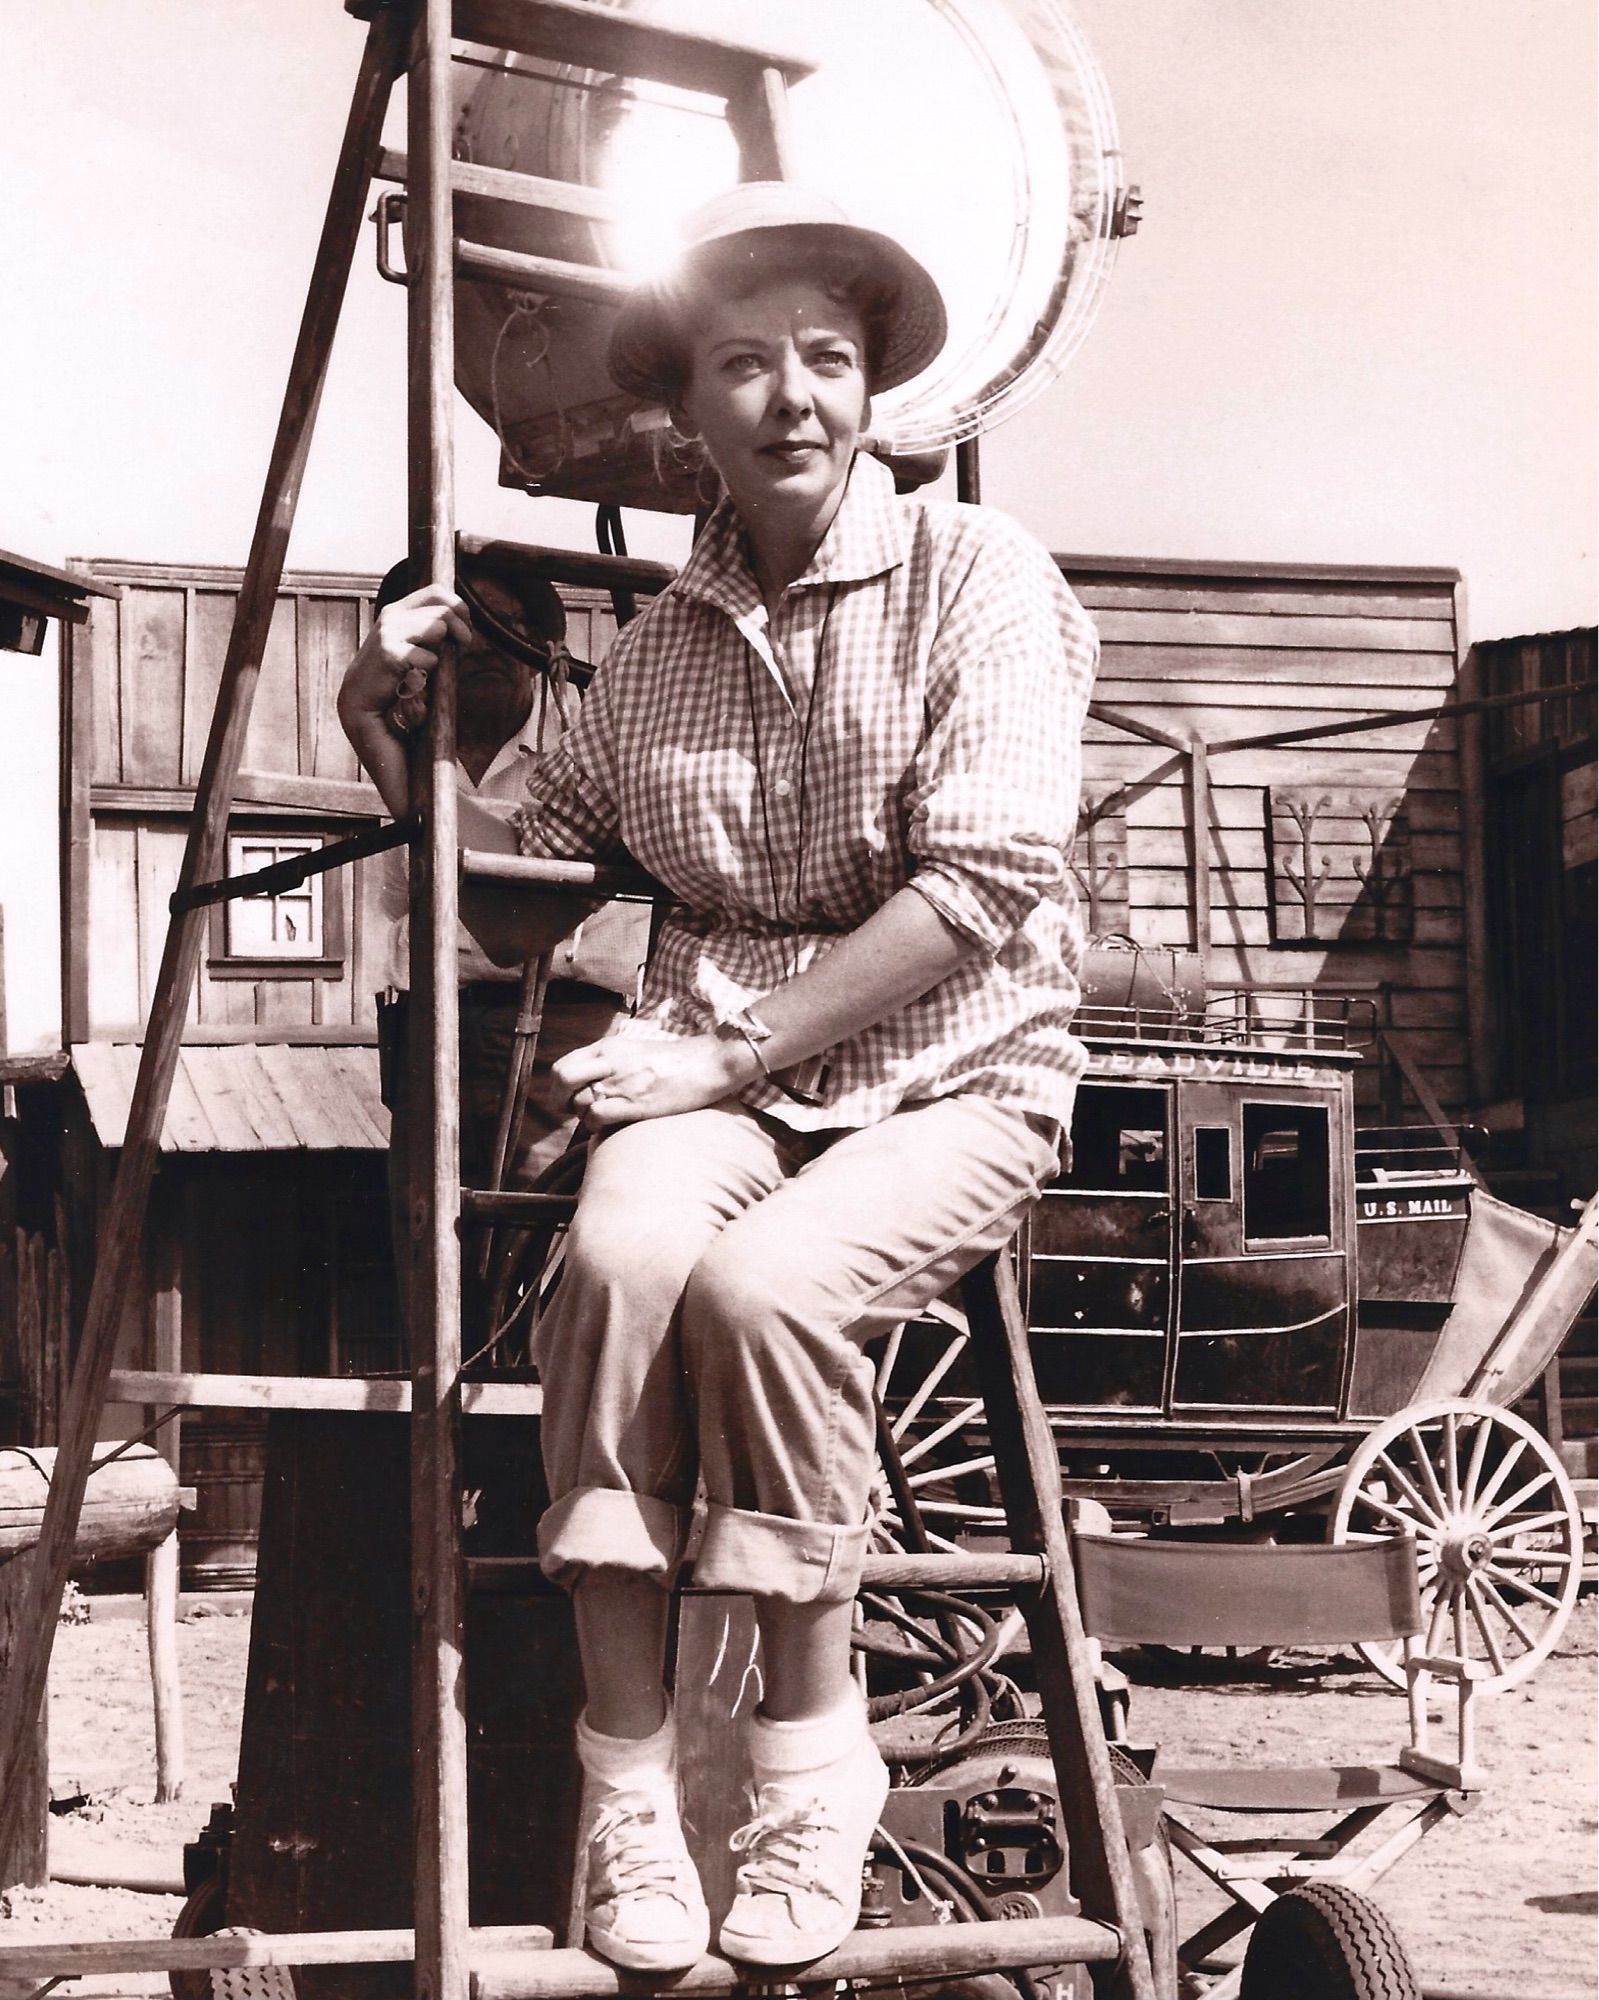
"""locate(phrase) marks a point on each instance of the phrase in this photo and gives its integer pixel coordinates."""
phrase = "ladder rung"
(310, 1392)
(590, 878)
(102, 1956)
(578, 198)
(568, 31)
(915, 1952)
(954, 1572)
(528, 273)
(939, 1572)
(513, 1204)
(578, 567)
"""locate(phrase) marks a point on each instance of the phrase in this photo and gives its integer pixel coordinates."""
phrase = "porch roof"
(244, 1097)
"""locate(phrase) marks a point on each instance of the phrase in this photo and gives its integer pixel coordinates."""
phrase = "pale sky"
(1358, 324)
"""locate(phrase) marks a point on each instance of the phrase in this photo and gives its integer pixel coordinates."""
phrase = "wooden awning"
(245, 1097)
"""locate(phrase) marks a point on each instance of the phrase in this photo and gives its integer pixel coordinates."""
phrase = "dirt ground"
(1502, 1902)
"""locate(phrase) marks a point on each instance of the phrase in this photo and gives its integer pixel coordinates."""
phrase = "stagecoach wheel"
(1326, 1942)
(1498, 1533)
(938, 1431)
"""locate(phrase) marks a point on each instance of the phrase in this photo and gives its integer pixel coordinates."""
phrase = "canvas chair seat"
(1137, 1591)
(1292, 1788)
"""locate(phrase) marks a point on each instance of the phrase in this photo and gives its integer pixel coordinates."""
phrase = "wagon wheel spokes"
(969, 1413)
(936, 1427)
(1416, 1509)
(1498, 1535)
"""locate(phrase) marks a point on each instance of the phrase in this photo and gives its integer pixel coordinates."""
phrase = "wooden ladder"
(452, 1960)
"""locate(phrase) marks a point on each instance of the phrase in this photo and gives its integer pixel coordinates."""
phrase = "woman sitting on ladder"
(846, 739)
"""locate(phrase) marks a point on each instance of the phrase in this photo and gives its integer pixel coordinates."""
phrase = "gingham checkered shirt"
(913, 715)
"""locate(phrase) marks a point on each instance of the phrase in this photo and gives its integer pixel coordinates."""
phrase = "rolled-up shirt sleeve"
(994, 802)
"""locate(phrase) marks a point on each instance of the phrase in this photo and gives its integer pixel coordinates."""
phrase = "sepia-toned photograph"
(815, 779)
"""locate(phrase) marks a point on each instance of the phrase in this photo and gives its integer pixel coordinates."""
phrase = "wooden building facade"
(268, 1246)
(1333, 865)
(1268, 825)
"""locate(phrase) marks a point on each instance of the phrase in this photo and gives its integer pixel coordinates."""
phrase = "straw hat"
(778, 211)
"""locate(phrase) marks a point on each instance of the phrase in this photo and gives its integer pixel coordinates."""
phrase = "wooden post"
(1481, 1021)
(1199, 812)
(122, 1231)
(24, 1846)
(437, 1689)
(1029, 1480)
(161, 1565)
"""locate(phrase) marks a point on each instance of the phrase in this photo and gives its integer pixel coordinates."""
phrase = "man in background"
(517, 690)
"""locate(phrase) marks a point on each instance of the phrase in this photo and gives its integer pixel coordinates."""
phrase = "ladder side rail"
(439, 1802)
(1029, 1478)
(597, 37)
(122, 1231)
(758, 117)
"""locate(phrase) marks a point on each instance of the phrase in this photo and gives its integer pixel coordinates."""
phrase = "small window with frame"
(1213, 1163)
(1287, 1175)
(295, 933)
(1118, 1141)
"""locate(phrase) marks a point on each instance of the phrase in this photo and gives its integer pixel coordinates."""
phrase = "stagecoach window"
(1213, 1163)
(1118, 1141)
(1287, 1190)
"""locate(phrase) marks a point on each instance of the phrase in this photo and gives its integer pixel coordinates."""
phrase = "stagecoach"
(1247, 1314)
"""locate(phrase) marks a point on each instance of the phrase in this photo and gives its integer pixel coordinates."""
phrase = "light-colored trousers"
(722, 1276)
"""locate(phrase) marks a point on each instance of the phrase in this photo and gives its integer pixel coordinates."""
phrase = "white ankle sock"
(627, 1760)
(812, 1743)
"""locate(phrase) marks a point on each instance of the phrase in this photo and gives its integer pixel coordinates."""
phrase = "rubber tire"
(203, 1915)
(1326, 1942)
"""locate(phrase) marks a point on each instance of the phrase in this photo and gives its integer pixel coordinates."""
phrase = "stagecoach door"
(1265, 1235)
(1099, 1291)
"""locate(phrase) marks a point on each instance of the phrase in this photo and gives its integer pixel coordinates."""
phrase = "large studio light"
(978, 132)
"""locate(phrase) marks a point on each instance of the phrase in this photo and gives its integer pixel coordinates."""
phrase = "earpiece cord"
(790, 936)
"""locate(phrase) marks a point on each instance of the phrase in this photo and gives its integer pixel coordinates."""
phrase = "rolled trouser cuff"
(768, 1555)
(599, 1527)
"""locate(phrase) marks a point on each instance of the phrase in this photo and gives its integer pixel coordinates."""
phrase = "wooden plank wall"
(1219, 651)
(1226, 653)
(138, 687)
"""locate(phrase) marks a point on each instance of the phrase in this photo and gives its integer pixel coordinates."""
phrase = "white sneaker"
(645, 1910)
(799, 1886)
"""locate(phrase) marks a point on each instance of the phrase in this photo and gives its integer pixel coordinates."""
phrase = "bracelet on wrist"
(748, 1027)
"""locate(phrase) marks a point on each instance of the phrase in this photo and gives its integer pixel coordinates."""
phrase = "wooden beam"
(557, 276)
(516, 190)
(758, 117)
(921, 1953)
(1076, 566)
(1148, 732)
(48, 1067)
(161, 1564)
(577, 32)
(123, 1226)
(310, 1392)
(1029, 1478)
(1199, 813)
(1482, 998)
(583, 569)
(481, 865)
(76, 706)
(438, 1705)
(271, 791)
(28, 597)
(517, 1960)
(77, 1959)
